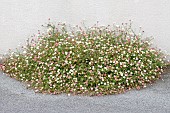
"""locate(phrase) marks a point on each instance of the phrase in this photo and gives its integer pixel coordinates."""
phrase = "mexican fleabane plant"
(90, 61)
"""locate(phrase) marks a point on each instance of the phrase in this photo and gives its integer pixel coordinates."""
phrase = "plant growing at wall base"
(90, 61)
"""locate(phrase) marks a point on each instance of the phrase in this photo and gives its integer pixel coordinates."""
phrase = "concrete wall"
(19, 19)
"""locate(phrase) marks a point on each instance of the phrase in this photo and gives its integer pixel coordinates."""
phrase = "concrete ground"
(15, 98)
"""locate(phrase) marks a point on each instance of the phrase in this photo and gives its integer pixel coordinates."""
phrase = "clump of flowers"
(99, 60)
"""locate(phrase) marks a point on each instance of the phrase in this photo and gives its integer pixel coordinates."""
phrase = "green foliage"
(93, 61)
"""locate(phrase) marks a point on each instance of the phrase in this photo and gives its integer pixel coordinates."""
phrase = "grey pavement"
(16, 98)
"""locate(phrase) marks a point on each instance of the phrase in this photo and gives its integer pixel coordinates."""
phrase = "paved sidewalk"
(15, 98)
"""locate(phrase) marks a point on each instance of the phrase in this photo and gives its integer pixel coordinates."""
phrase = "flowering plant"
(91, 61)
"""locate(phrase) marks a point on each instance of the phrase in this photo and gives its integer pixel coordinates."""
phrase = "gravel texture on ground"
(15, 98)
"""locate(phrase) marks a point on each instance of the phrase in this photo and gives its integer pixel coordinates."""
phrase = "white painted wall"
(19, 19)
